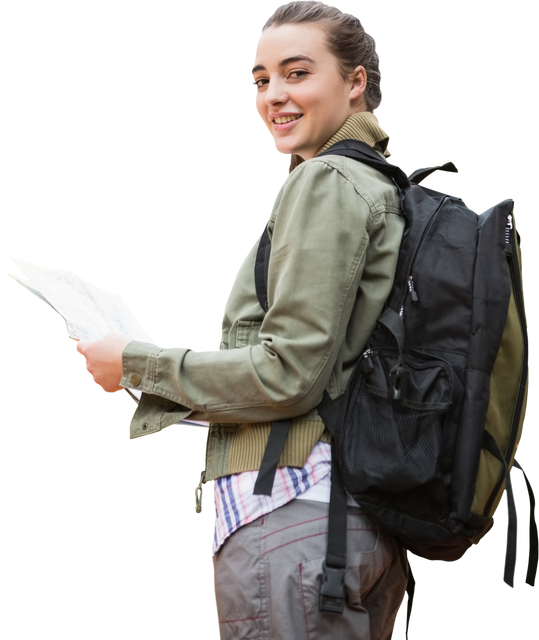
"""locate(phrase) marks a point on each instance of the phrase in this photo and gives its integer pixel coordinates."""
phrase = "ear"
(358, 85)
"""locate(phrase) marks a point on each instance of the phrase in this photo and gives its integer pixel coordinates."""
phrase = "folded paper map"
(90, 313)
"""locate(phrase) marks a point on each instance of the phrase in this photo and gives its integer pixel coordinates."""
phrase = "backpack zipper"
(410, 287)
(413, 294)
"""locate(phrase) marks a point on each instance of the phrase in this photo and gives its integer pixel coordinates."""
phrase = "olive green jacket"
(335, 231)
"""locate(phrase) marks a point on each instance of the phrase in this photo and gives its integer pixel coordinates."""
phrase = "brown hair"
(347, 41)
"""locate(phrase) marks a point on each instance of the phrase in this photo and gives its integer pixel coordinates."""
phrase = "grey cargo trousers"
(268, 576)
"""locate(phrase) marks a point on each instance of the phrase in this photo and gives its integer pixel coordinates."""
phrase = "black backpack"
(426, 432)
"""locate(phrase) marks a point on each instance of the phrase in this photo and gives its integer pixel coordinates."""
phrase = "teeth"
(285, 119)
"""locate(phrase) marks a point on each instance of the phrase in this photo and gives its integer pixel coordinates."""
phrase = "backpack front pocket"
(392, 448)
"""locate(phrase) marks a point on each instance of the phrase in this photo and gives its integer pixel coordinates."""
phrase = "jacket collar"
(361, 126)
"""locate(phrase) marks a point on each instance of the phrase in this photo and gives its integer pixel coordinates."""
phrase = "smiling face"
(302, 96)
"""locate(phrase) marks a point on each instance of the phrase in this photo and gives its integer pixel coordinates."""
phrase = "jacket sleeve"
(321, 228)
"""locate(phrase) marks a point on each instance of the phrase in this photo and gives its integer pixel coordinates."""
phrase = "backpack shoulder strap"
(364, 153)
(261, 269)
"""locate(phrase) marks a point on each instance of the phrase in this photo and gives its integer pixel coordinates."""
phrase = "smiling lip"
(286, 125)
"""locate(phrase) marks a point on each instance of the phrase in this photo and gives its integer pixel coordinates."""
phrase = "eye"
(261, 82)
(255, 83)
(296, 75)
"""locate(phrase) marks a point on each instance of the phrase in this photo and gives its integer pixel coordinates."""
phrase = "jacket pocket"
(247, 333)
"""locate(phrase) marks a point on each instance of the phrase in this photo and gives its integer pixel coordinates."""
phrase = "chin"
(280, 151)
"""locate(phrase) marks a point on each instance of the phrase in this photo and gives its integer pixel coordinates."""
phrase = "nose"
(276, 93)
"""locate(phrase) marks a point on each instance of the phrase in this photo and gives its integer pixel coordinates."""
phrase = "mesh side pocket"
(392, 452)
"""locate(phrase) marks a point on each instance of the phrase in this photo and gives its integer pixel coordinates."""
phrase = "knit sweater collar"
(361, 126)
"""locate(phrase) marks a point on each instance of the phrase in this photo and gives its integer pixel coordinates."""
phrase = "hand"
(104, 359)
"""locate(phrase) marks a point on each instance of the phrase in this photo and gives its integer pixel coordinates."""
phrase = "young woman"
(335, 230)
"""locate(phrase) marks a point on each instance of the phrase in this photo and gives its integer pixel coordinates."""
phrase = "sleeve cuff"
(139, 363)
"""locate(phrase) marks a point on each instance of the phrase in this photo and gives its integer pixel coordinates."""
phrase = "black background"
(136, 159)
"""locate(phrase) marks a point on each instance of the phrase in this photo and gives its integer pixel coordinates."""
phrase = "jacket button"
(135, 380)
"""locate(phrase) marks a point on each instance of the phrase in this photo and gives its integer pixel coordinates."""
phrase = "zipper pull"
(508, 229)
(396, 375)
(199, 491)
(368, 365)
(411, 289)
(413, 294)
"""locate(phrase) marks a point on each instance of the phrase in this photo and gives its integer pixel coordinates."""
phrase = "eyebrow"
(283, 63)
